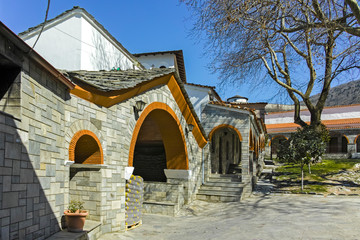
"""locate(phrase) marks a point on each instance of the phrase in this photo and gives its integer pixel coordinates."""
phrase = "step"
(162, 208)
(224, 184)
(224, 180)
(220, 188)
(221, 192)
(225, 175)
(162, 192)
(218, 198)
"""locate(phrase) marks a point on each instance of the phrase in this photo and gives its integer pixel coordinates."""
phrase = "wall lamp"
(139, 106)
(189, 129)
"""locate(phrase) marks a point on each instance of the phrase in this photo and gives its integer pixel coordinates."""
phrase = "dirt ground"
(265, 216)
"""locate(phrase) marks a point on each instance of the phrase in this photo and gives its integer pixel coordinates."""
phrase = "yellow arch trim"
(177, 158)
(356, 138)
(75, 139)
(277, 136)
(108, 99)
(225, 126)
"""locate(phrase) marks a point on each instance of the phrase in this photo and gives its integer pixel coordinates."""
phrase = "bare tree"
(301, 44)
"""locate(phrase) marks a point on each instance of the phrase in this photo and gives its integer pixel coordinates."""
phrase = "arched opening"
(158, 143)
(225, 150)
(357, 141)
(149, 154)
(275, 143)
(85, 148)
(344, 144)
(337, 144)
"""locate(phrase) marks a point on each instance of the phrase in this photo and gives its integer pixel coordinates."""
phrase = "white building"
(77, 34)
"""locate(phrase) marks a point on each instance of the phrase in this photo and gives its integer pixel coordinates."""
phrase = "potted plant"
(75, 216)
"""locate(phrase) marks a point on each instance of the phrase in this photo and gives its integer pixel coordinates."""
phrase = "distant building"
(343, 122)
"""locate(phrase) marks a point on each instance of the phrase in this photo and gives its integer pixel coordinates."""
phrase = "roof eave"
(23, 46)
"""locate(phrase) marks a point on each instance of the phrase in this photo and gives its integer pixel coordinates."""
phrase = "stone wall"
(85, 186)
(114, 127)
(34, 185)
(213, 116)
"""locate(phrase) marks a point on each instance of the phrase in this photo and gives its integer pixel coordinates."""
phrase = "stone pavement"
(262, 216)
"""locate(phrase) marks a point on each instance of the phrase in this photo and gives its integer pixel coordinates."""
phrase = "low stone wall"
(84, 186)
(336, 156)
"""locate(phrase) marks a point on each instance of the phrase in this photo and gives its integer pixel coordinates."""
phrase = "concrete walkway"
(264, 216)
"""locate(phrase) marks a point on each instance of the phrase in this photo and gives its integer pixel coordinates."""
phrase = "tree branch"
(354, 6)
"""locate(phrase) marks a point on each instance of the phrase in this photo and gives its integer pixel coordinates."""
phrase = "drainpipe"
(203, 164)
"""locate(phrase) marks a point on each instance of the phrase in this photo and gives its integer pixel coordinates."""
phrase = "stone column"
(246, 175)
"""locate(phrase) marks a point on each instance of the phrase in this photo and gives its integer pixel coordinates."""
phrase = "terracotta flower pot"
(75, 221)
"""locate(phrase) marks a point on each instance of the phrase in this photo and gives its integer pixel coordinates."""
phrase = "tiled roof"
(305, 109)
(27, 50)
(200, 85)
(330, 124)
(234, 106)
(226, 104)
(247, 103)
(117, 80)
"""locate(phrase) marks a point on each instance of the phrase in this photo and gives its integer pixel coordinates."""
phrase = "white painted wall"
(156, 61)
(330, 113)
(99, 52)
(59, 43)
(199, 97)
(74, 42)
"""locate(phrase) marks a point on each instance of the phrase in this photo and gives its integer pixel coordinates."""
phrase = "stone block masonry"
(35, 183)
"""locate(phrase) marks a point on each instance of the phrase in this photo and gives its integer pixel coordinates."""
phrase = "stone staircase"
(221, 188)
(163, 198)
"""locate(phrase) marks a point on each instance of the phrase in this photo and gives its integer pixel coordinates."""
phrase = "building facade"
(343, 123)
(71, 134)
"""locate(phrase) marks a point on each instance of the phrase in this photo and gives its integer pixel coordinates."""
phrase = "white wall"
(98, 52)
(167, 60)
(329, 113)
(60, 43)
(74, 42)
(199, 97)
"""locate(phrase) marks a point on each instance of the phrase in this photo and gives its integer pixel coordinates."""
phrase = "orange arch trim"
(111, 98)
(173, 160)
(356, 138)
(225, 126)
(277, 136)
(347, 139)
(75, 139)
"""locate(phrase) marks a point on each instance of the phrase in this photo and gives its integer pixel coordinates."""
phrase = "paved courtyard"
(259, 217)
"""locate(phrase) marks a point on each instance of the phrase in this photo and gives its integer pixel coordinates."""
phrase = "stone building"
(70, 134)
(343, 122)
(235, 129)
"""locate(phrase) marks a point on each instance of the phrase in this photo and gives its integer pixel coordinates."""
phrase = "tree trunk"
(302, 177)
(309, 168)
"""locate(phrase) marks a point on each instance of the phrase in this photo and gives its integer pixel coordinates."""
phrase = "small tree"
(305, 146)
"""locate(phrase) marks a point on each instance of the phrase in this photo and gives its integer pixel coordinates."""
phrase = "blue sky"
(141, 26)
